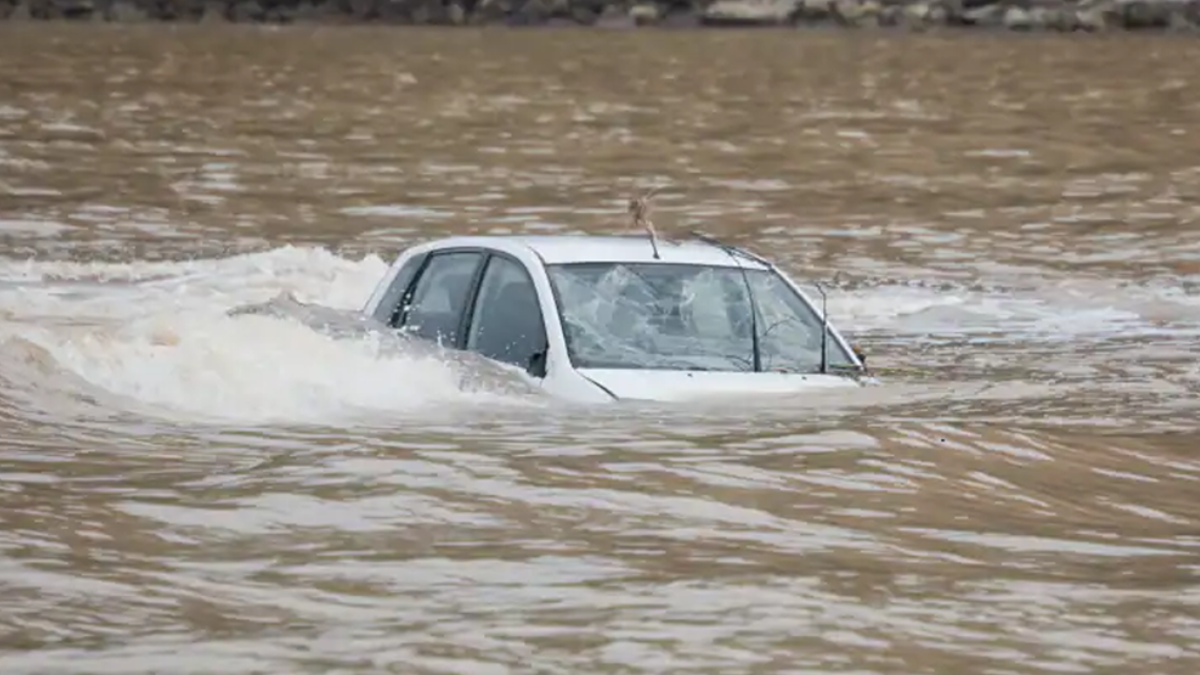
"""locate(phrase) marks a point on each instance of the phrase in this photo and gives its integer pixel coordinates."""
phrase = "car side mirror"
(862, 356)
(537, 363)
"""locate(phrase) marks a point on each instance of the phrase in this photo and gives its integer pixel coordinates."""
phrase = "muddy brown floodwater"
(1014, 220)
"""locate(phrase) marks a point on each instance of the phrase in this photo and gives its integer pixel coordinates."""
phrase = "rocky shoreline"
(1014, 15)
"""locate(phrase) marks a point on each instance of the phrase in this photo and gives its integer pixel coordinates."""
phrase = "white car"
(602, 318)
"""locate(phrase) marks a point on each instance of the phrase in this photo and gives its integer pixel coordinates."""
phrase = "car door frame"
(541, 370)
(399, 313)
(379, 302)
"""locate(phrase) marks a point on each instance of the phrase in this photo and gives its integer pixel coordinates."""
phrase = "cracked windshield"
(599, 338)
(687, 317)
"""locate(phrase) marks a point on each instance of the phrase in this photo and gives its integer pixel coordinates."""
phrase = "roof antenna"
(639, 211)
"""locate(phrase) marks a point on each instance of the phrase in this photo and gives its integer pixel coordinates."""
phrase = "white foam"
(158, 334)
(30, 226)
(396, 211)
(1061, 311)
(311, 274)
(252, 369)
(8, 112)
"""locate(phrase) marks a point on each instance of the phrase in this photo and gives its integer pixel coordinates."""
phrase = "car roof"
(557, 249)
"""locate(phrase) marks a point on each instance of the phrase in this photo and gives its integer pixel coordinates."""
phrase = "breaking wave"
(253, 338)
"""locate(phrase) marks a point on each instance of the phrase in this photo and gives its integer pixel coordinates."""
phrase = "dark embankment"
(1017, 15)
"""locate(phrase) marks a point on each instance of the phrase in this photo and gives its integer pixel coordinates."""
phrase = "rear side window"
(436, 309)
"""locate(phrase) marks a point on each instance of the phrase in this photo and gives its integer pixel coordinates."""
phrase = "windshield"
(685, 317)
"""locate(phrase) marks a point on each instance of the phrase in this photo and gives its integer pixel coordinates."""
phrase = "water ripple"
(184, 490)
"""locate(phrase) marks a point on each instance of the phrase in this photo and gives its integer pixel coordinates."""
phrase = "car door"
(438, 300)
(506, 321)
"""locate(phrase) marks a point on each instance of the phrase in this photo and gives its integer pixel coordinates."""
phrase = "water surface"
(1011, 222)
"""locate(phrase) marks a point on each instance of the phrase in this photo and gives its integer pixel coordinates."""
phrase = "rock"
(489, 11)
(1017, 15)
(865, 13)
(20, 12)
(613, 17)
(954, 10)
(72, 10)
(538, 12)
(31, 10)
(581, 15)
(125, 11)
(1064, 20)
(857, 14)
(316, 12)
(392, 12)
(891, 15)
(1016, 18)
(938, 15)
(247, 11)
(1037, 18)
(988, 16)
(1097, 15)
(644, 14)
(1186, 17)
(434, 13)
(750, 13)
(915, 16)
(680, 19)
(214, 12)
(1153, 14)
(815, 11)
(869, 12)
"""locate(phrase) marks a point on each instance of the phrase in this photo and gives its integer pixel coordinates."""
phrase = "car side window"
(438, 301)
(507, 324)
(385, 311)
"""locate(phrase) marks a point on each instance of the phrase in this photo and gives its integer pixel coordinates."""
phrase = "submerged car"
(602, 318)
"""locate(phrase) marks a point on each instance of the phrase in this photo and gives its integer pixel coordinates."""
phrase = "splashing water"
(161, 337)
(233, 338)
